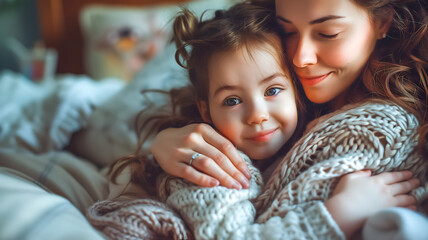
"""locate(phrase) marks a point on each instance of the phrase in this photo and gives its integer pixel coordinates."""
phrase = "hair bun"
(185, 25)
(219, 14)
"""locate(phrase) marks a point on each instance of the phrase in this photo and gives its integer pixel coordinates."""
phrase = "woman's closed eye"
(328, 36)
(232, 101)
(285, 33)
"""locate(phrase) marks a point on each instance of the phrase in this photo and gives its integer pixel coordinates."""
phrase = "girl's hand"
(218, 163)
(359, 195)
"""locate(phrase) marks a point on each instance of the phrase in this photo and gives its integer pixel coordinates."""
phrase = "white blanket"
(45, 190)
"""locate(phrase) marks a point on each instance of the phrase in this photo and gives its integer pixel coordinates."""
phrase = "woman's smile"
(313, 80)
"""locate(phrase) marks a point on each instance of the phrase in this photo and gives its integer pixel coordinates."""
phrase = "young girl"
(243, 89)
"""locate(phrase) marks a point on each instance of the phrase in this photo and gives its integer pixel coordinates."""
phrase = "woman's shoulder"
(375, 112)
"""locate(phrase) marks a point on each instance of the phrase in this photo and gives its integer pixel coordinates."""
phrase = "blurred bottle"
(37, 64)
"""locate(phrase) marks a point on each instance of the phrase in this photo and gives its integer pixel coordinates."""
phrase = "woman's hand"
(218, 163)
(359, 195)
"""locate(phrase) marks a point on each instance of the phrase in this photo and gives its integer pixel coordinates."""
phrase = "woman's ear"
(203, 110)
(383, 23)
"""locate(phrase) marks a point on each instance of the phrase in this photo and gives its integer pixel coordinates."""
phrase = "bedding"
(56, 138)
(43, 186)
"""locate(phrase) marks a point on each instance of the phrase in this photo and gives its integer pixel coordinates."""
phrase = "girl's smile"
(263, 136)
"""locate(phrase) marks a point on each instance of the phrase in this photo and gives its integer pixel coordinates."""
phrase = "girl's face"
(329, 42)
(251, 101)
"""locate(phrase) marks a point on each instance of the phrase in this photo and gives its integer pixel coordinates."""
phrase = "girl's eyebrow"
(316, 21)
(231, 87)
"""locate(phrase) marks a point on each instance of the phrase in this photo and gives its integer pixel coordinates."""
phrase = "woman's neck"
(353, 94)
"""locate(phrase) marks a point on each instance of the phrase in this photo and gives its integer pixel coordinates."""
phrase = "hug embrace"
(302, 119)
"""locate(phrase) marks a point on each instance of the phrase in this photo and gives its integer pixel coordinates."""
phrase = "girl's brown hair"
(397, 69)
(244, 25)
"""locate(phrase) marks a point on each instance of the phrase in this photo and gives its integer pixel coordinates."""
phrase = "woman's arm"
(219, 162)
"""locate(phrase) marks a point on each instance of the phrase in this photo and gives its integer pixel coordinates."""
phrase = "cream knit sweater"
(374, 135)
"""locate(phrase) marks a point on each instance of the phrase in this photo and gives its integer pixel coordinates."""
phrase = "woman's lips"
(311, 81)
(263, 136)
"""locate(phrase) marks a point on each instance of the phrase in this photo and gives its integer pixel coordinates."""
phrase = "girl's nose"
(258, 113)
(305, 53)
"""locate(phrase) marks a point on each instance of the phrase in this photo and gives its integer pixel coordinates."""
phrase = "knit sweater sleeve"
(376, 135)
(222, 213)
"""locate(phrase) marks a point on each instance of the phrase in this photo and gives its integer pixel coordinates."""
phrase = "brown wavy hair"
(397, 69)
(197, 40)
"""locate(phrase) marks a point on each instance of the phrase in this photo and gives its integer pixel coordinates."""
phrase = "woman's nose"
(305, 53)
(257, 114)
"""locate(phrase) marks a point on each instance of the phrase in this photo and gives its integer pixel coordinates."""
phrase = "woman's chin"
(317, 97)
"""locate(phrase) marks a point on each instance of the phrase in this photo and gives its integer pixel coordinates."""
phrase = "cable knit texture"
(137, 219)
(376, 135)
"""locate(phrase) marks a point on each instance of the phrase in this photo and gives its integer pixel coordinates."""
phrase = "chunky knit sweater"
(374, 135)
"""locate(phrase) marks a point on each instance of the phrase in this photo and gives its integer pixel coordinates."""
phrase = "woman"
(343, 52)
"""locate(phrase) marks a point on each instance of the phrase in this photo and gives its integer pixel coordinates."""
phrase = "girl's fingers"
(394, 177)
(357, 174)
(192, 175)
(404, 187)
(404, 201)
(412, 207)
(229, 154)
(211, 168)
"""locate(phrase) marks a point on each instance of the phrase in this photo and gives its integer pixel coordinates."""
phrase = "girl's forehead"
(232, 67)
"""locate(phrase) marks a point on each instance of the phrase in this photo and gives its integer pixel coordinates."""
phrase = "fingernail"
(214, 183)
(244, 182)
(236, 185)
(247, 173)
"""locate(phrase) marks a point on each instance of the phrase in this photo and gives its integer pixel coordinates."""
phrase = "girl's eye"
(231, 102)
(329, 36)
(272, 91)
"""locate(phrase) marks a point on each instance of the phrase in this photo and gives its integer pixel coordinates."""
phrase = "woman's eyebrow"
(316, 21)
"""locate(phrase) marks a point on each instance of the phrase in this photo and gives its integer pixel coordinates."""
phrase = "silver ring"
(194, 156)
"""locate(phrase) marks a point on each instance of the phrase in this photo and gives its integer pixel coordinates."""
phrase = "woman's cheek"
(337, 56)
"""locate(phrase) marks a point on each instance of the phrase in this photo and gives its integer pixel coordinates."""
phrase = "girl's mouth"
(263, 136)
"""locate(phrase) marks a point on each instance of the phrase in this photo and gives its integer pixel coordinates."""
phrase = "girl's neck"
(263, 164)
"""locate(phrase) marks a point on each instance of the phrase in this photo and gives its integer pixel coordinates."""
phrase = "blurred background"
(18, 19)
(98, 38)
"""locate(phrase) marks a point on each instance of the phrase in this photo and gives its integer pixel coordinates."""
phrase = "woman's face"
(329, 42)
